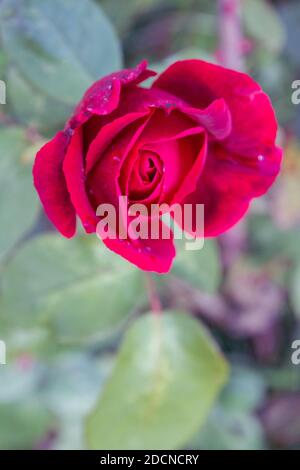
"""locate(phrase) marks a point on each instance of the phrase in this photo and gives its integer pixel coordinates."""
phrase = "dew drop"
(260, 158)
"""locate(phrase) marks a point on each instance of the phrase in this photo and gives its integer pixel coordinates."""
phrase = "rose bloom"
(201, 134)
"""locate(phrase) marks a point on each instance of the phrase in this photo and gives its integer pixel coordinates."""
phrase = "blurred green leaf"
(61, 46)
(23, 425)
(35, 341)
(201, 268)
(264, 24)
(268, 241)
(2, 64)
(169, 372)
(78, 288)
(32, 107)
(70, 390)
(73, 383)
(18, 380)
(283, 378)
(233, 424)
(18, 201)
(230, 430)
(245, 391)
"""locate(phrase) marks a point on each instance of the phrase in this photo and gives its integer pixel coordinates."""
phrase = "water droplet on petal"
(260, 158)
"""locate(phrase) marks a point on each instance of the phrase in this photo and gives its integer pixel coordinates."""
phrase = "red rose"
(202, 134)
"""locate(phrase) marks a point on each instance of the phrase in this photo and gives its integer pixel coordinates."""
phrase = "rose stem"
(230, 34)
(152, 294)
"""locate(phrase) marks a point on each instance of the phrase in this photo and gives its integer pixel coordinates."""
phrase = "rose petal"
(50, 184)
(106, 135)
(216, 118)
(227, 185)
(103, 96)
(137, 99)
(199, 83)
(149, 255)
(161, 126)
(180, 174)
(73, 168)
(141, 190)
(107, 170)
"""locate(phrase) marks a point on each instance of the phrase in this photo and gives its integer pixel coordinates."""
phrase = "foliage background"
(65, 306)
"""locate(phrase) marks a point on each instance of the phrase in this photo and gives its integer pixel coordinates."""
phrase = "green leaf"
(73, 384)
(18, 201)
(233, 424)
(61, 46)
(78, 288)
(166, 378)
(269, 241)
(201, 267)
(35, 341)
(18, 382)
(23, 424)
(2, 64)
(32, 107)
(230, 430)
(245, 391)
(264, 24)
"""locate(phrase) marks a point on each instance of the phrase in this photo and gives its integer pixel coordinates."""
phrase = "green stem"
(154, 299)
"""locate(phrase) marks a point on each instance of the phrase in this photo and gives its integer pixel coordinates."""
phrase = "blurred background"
(61, 328)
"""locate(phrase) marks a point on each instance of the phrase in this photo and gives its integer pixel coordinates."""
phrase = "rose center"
(147, 167)
(146, 175)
